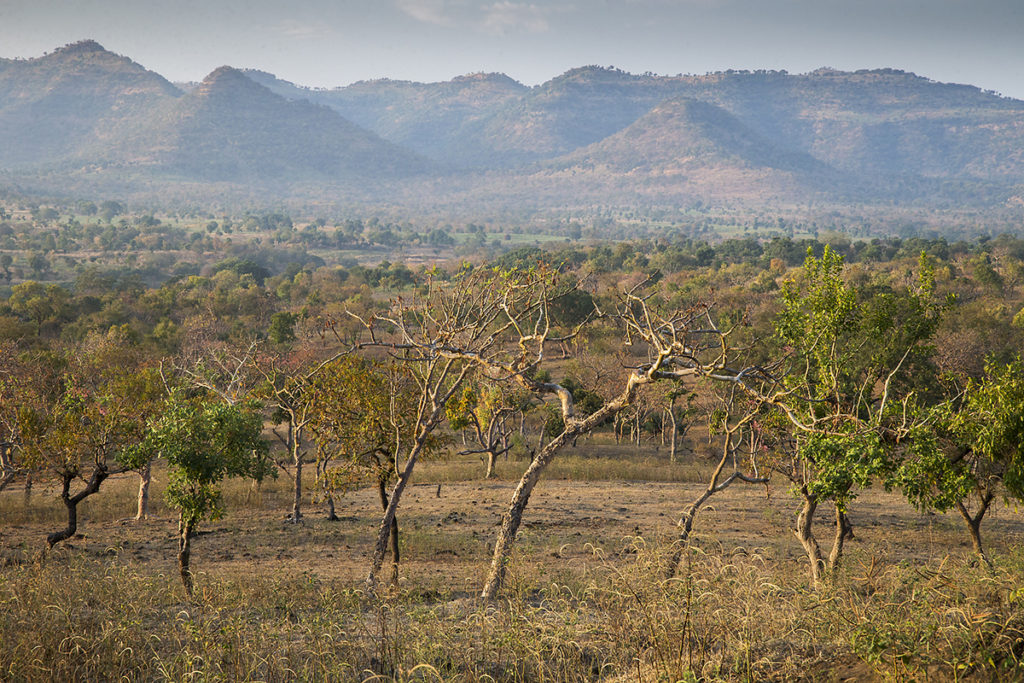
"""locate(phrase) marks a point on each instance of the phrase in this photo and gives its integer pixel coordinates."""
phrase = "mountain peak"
(228, 80)
(226, 74)
(82, 47)
(486, 77)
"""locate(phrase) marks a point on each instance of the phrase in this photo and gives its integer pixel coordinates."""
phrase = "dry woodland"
(767, 457)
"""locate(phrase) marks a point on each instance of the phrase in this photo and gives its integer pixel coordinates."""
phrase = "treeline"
(833, 366)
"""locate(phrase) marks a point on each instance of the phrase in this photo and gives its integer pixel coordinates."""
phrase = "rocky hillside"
(870, 136)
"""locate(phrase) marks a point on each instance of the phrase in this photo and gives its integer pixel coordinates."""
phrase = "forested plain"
(263, 446)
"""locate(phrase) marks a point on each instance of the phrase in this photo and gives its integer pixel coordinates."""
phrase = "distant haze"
(335, 42)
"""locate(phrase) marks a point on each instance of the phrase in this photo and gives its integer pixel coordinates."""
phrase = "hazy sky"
(336, 42)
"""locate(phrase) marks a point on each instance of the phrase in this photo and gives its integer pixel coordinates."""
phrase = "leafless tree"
(733, 420)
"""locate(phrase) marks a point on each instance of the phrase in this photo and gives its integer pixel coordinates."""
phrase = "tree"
(364, 415)
(289, 389)
(282, 327)
(734, 419)
(991, 427)
(203, 442)
(487, 412)
(445, 333)
(674, 344)
(498, 324)
(854, 364)
(80, 420)
(15, 383)
(971, 450)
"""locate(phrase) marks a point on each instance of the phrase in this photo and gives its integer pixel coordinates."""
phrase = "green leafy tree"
(282, 327)
(973, 451)
(854, 362)
(487, 411)
(203, 443)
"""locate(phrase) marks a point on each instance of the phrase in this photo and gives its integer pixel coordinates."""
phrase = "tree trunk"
(492, 456)
(185, 554)
(295, 443)
(386, 524)
(844, 530)
(804, 522)
(71, 503)
(974, 526)
(713, 487)
(332, 516)
(672, 437)
(521, 496)
(145, 476)
(395, 558)
(7, 469)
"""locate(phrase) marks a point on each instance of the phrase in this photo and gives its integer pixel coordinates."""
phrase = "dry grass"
(586, 598)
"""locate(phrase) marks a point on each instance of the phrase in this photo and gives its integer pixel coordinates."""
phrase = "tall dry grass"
(724, 617)
(92, 613)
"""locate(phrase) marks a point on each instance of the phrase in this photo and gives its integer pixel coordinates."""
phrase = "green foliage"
(203, 442)
(991, 423)
(858, 361)
(844, 462)
(282, 327)
(927, 475)
(460, 407)
(363, 415)
(87, 412)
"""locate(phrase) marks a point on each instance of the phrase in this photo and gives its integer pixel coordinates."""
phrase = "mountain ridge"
(877, 135)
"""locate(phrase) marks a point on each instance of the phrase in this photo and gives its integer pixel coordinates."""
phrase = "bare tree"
(733, 419)
(680, 344)
(287, 389)
(489, 413)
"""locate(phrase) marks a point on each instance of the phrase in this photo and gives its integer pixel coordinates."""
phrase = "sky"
(328, 43)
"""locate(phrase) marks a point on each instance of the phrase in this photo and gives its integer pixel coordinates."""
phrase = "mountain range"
(589, 136)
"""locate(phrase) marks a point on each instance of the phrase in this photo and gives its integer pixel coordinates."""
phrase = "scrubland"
(586, 597)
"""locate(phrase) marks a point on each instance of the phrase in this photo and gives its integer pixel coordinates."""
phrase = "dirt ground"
(447, 539)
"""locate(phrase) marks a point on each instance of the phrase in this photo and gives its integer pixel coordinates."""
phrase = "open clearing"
(585, 600)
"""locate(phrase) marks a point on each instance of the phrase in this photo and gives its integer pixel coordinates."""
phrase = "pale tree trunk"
(492, 457)
(321, 478)
(672, 437)
(804, 533)
(8, 471)
(974, 525)
(145, 476)
(295, 443)
(297, 499)
(185, 554)
(513, 518)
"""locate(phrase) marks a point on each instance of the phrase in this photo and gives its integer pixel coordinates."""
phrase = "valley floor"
(586, 597)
